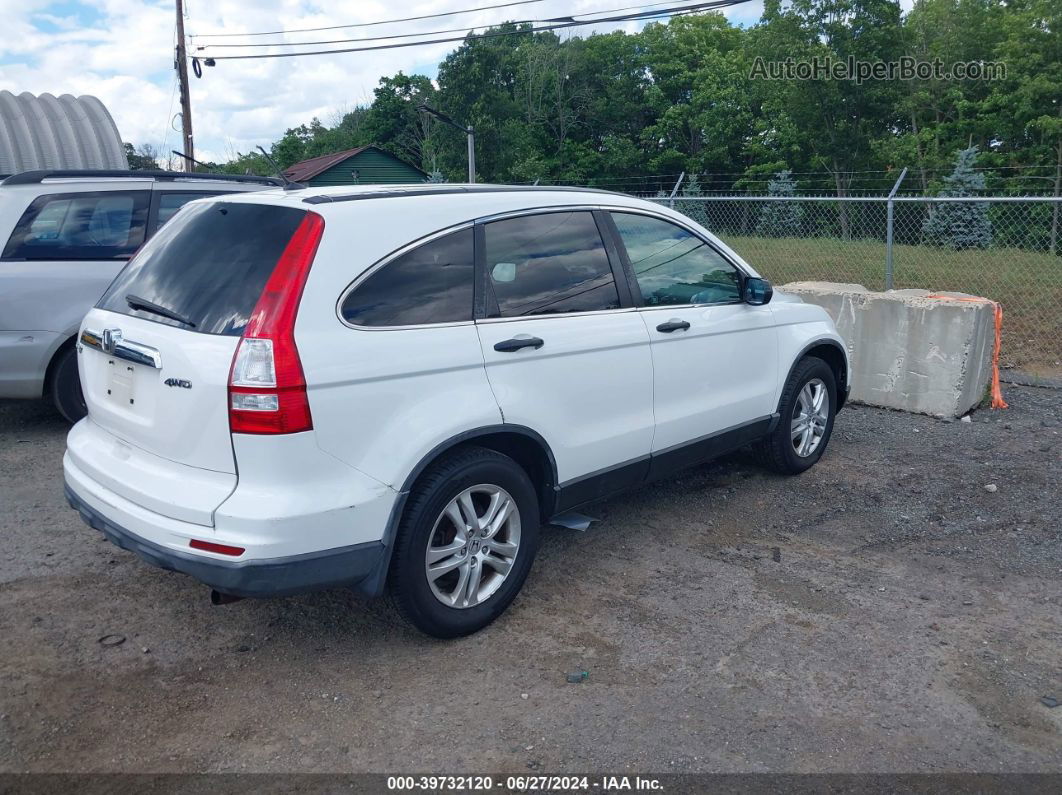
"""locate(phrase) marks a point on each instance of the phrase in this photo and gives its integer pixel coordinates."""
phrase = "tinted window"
(549, 263)
(209, 265)
(674, 266)
(86, 226)
(430, 284)
(170, 203)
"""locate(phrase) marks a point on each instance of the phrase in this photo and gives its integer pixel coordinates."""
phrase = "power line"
(431, 32)
(666, 12)
(372, 24)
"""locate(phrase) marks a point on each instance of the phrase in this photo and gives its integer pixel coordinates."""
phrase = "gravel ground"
(884, 612)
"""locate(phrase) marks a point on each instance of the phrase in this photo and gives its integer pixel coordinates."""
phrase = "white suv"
(369, 388)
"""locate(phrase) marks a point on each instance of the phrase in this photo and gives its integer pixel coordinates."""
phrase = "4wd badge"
(178, 382)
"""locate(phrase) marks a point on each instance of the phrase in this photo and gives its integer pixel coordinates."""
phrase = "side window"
(170, 202)
(80, 226)
(430, 284)
(549, 264)
(674, 266)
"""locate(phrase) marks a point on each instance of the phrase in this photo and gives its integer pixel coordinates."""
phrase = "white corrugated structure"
(65, 132)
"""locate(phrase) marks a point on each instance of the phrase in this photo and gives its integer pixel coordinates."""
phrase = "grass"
(1027, 283)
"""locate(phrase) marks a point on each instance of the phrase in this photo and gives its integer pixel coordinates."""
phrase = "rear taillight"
(267, 389)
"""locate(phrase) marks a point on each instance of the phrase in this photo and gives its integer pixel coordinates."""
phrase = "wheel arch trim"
(818, 342)
(373, 585)
(62, 341)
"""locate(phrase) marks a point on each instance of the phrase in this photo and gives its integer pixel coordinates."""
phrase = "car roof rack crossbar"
(33, 177)
(452, 189)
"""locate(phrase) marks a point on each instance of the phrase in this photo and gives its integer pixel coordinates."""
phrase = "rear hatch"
(157, 350)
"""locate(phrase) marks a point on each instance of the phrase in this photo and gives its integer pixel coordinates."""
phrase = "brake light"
(267, 389)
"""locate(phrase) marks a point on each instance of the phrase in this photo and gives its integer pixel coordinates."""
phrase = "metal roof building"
(65, 132)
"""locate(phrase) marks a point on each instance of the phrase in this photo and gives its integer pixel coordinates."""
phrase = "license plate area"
(121, 379)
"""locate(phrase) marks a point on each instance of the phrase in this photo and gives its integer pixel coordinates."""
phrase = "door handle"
(516, 343)
(673, 325)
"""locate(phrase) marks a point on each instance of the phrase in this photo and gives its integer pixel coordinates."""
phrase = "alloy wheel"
(810, 415)
(473, 546)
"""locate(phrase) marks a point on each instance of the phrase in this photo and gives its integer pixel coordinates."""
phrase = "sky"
(122, 52)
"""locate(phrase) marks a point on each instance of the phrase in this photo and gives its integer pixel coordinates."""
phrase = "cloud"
(122, 52)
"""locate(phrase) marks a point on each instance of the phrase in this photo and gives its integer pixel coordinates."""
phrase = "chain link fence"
(1006, 249)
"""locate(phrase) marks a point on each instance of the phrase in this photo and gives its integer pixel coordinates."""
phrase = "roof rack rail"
(32, 177)
(437, 190)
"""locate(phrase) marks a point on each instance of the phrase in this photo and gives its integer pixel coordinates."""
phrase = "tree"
(478, 85)
(959, 225)
(394, 122)
(249, 163)
(780, 218)
(1025, 106)
(837, 121)
(700, 91)
(142, 158)
(694, 210)
(632, 110)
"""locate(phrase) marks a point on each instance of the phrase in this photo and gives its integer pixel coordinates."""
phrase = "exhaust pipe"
(219, 598)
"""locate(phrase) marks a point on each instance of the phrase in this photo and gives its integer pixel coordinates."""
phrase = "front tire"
(807, 408)
(65, 387)
(468, 536)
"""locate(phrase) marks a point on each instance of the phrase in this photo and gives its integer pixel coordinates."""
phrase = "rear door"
(155, 353)
(565, 354)
(714, 356)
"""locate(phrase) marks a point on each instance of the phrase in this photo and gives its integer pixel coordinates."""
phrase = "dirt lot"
(883, 612)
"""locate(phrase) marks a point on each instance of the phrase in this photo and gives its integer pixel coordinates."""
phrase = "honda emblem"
(111, 337)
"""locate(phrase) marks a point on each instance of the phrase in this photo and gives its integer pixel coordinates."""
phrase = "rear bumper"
(342, 567)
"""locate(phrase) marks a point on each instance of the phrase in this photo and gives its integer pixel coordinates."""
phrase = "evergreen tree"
(780, 218)
(959, 225)
(696, 211)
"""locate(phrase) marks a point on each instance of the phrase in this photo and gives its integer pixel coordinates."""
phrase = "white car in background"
(64, 237)
(368, 387)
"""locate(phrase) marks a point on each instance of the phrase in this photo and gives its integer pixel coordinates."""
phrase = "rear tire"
(805, 425)
(65, 386)
(461, 555)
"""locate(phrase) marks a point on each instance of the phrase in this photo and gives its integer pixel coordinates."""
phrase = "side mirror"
(757, 292)
(504, 272)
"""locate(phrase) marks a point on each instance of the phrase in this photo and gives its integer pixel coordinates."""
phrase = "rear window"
(80, 226)
(208, 265)
(170, 203)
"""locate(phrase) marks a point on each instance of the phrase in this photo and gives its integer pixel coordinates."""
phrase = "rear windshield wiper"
(136, 302)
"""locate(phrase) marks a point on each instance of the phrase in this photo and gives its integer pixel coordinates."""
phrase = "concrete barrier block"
(911, 351)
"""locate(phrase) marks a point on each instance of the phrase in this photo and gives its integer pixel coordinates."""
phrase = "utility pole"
(186, 101)
(466, 130)
(471, 154)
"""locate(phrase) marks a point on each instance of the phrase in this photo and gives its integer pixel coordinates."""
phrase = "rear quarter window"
(208, 265)
(169, 202)
(97, 225)
(433, 283)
